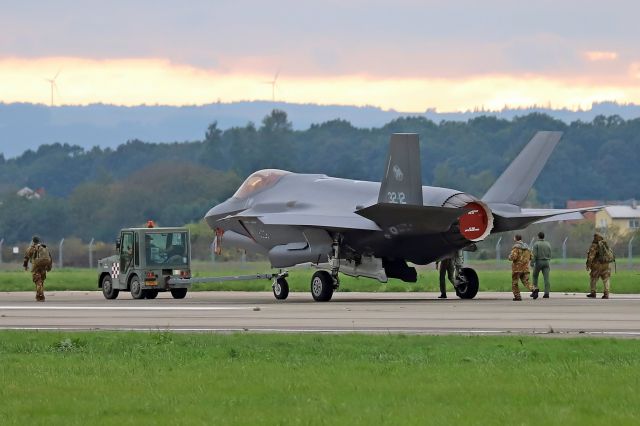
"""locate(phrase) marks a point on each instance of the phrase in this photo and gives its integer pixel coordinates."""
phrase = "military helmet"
(35, 239)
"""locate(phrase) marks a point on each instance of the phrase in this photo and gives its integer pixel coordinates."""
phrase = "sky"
(406, 55)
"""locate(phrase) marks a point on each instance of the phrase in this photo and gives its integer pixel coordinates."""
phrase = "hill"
(27, 126)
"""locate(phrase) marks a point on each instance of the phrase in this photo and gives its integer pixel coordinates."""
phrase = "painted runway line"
(131, 308)
(572, 333)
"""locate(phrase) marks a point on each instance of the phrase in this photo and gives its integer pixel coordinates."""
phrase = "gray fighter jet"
(372, 229)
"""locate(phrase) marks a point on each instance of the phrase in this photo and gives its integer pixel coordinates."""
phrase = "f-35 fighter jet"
(372, 229)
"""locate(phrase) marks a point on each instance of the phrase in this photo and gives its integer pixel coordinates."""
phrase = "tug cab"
(147, 261)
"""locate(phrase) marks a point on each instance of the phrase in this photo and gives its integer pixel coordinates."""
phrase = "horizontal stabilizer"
(513, 220)
(402, 180)
(513, 186)
(411, 219)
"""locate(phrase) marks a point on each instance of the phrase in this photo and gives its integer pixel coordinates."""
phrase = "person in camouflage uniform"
(598, 268)
(520, 257)
(38, 271)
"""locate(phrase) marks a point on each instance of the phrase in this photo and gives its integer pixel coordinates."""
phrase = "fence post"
(1, 244)
(631, 252)
(60, 253)
(91, 254)
(564, 250)
(498, 250)
(243, 259)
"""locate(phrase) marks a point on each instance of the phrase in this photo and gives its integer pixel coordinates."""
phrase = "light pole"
(498, 250)
(91, 254)
(631, 252)
(60, 253)
(564, 250)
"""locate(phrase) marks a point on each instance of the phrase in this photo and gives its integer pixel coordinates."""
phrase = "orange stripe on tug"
(477, 222)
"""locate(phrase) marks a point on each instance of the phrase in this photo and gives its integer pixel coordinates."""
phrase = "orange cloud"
(158, 81)
(600, 55)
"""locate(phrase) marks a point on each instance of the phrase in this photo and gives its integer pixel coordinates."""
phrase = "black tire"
(107, 288)
(322, 286)
(136, 288)
(469, 284)
(151, 294)
(179, 293)
(281, 288)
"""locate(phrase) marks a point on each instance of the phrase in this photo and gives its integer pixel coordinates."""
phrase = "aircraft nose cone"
(215, 213)
(220, 211)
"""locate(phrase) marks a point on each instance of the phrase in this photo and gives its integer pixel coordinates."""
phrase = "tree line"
(92, 193)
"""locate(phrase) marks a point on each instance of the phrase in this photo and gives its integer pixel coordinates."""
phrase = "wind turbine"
(273, 86)
(52, 82)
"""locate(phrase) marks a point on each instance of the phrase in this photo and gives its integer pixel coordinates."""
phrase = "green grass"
(491, 279)
(167, 378)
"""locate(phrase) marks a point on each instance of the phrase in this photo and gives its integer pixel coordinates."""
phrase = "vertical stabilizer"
(514, 184)
(402, 181)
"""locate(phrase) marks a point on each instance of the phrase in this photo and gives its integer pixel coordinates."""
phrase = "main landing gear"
(324, 283)
(467, 283)
(322, 286)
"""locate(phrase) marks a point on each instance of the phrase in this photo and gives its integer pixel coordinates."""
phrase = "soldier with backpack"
(599, 257)
(520, 257)
(40, 258)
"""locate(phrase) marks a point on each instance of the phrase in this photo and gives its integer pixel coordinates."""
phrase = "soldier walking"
(520, 257)
(541, 257)
(599, 257)
(40, 259)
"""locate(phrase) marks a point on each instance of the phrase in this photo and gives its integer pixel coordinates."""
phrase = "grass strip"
(171, 378)
(562, 280)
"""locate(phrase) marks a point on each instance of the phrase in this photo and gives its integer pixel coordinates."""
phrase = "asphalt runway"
(489, 313)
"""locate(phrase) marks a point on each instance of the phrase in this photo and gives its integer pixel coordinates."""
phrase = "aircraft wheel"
(136, 289)
(322, 286)
(151, 294)
(281, 288)
(107, 288)
(179, 293)
(469, 284)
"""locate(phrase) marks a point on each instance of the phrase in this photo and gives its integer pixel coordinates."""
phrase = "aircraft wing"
(325, 220)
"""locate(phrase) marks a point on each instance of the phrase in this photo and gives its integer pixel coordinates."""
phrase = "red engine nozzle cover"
(477, 221)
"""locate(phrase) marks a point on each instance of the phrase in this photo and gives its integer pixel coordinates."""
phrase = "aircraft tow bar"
(200, 280)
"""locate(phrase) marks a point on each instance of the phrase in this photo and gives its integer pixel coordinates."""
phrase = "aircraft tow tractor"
(150, 260)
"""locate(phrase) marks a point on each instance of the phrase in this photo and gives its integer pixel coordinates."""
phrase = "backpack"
(42, 258)
(604, 254)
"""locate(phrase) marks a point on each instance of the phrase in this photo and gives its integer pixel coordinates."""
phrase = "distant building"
(625, 218)
(30, 194)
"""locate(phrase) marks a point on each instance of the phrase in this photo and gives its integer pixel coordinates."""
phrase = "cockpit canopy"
(258, 181)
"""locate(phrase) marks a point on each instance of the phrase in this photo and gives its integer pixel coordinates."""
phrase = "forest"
(93, 193)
